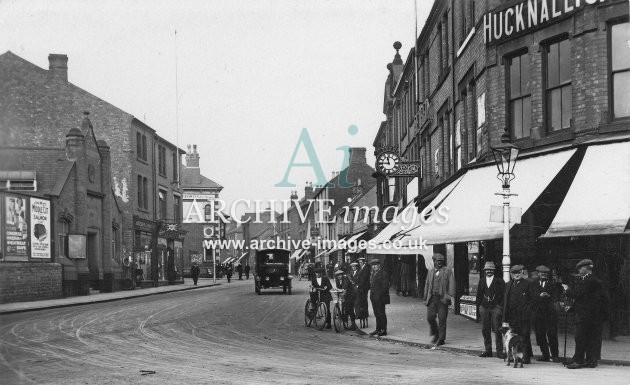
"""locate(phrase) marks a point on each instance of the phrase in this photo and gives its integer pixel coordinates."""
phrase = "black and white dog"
(513, 346)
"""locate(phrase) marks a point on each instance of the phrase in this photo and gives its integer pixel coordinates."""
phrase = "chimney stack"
(192, 158)
(58, 66)
(357, 155)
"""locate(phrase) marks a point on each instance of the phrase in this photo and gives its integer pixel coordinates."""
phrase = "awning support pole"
(506, 262)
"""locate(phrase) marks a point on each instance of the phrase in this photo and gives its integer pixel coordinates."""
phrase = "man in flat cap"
(320, 281)
(592, 308)
(490, 301)
(349, 295)
(379, 296)
(546, 316)
(518, 302)
(363, 287)
(439, 291)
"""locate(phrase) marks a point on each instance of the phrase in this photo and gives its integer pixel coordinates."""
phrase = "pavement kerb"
(102, 300)
(468, 351)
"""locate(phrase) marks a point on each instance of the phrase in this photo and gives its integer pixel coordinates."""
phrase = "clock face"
(388, 163)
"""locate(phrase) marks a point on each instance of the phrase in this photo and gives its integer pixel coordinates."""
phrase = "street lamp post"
(505, 155)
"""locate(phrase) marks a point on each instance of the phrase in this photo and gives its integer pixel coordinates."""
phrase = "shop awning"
(469, 203)
(395, 229)
(598, 201)
(229, 260)
(295, 254)
(241, 257)
(356, 238)
(335, 249)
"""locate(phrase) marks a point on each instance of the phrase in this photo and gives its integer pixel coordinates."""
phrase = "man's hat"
(375, 261)
(338, 272)
(438, 257)
(542, 269)
(584, 262)
(354, 264)
(319, 270)
(361, 258)
(517, 268)
(489, 266)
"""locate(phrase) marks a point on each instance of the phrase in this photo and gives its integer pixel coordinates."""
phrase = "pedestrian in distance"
(490, 301)
(228, 272)
(239, 270)
(592, 307)
(330, 269)
(247, 271)
(440, 291)
(379, 296)
(546, 315)
(363, 287)
(194, 272)
(320, 281)
(349, 296)
(518, 303)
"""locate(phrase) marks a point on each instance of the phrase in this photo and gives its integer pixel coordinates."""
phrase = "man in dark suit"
(546, 317)
(363, 287)
(439, 292)
(592, 308)
(379, 296)
(518, 301)
(320, 281)
(490, 301)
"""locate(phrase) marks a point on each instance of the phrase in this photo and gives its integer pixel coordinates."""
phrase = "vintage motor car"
(271, 270)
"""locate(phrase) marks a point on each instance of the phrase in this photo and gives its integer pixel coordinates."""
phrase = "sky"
(250, 75)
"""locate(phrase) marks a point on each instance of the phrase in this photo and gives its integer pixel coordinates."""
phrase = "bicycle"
(317, 312)
(340, 318)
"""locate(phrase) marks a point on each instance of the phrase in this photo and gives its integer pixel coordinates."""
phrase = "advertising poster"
(15, 228)
(40, 228)
(77, 246)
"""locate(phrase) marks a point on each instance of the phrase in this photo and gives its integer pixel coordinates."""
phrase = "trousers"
(491, 321)
(379, 313)
(588, 342)
(435, 308)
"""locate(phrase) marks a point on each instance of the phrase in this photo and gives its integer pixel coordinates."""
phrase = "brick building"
(38, 106)
(82, 231)
(201, 196)
(552, 76)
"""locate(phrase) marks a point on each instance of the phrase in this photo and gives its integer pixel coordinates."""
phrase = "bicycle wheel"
(308, 314)
(320, 316)
(337, 318)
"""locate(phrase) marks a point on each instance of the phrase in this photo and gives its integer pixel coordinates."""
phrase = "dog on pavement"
(513, 346)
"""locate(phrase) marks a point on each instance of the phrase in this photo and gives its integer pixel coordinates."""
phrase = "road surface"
(228, 334)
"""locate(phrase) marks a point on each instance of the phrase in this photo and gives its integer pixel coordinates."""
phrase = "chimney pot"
(58, 66)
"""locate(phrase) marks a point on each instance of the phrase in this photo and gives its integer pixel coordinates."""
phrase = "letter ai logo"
(305, 141)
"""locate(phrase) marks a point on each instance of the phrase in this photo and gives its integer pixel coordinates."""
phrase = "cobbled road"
(228, 334)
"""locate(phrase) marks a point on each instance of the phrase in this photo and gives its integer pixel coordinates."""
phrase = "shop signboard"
(40, 228)
(16, 242)
(468, 306)
(77, 246)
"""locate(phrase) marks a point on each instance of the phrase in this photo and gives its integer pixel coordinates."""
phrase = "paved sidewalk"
(406, 323)
(16, 307)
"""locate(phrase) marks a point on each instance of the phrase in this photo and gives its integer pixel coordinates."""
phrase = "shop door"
(93, 257)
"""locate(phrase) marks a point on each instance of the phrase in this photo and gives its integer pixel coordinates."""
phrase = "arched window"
(208, 212)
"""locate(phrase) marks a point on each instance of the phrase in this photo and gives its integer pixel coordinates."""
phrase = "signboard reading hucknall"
(527, 15)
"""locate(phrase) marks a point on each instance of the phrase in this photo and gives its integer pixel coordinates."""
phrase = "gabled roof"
(192, 179)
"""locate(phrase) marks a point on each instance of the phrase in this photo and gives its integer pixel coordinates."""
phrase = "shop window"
(620, 70)
(558, 89)
(62, 238)
(519, 96)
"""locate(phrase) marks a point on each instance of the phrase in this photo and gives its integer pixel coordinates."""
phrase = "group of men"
(534, 301)
(355, 285)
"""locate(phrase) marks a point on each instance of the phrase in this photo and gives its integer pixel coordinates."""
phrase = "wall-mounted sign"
(16, 247)
(77, 246)
(199, 197)
(468, 306)
(40, 228)
(527, 15)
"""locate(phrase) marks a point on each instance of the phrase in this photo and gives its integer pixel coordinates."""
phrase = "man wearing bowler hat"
(518, 302)
(379, 296)
(592, 308)
(440, 291)
(546, 316)
(490, 301)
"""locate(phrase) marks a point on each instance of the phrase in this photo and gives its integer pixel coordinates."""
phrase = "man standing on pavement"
(440, 290)
(520, 295)
(546, 317)
(363, 286)
(194, 272)
(592, 308)
(239, 270)
(247, 271)
(490, 301)
(379, 296)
